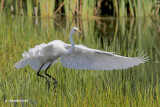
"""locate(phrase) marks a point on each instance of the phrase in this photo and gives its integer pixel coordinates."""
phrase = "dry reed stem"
(2, 6)
(59, 7)
(21, 8)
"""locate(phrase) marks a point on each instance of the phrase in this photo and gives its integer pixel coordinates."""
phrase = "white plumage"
(75, 56)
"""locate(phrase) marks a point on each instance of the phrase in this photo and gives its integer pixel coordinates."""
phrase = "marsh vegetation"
(84, 8)
(137, 86)
(128, 37)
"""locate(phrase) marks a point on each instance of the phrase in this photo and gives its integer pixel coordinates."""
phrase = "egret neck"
(72, 42)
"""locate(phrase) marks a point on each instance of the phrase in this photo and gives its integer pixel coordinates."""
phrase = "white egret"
(74, 56)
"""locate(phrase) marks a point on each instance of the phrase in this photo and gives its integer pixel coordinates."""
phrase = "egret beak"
(78, 31)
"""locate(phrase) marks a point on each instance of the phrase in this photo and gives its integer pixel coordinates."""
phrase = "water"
(126, 37)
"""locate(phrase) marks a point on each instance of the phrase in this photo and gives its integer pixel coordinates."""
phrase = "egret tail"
(22, 63)
(34, 63)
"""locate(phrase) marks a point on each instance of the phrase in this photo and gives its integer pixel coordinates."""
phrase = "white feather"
(75, 56)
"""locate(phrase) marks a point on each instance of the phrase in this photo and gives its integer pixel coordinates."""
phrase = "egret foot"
(55, 83)
(48, 83)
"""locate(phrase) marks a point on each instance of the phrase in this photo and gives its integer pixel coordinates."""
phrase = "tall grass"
(122, 9)
(139, 8)
(147, 5)
(29, 8)
(131, 8)
(47, 8)
(84, 8)
(137, 86)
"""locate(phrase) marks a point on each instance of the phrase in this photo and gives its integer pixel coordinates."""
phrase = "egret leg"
(55, 81)
(38, 74)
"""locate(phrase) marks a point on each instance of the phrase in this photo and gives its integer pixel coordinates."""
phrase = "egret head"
(75, 30)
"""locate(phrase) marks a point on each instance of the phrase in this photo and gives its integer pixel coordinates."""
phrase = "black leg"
(38, 74)
(55, 81)
(48, 74)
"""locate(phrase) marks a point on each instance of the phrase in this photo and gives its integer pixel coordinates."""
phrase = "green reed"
(29, 8)
(122, 8)
(84, 8)
(137, 86)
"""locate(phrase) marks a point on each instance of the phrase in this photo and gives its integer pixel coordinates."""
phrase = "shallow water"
(126, 37)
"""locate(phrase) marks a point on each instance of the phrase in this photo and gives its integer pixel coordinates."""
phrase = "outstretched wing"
(86, 58)
(37, 56)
